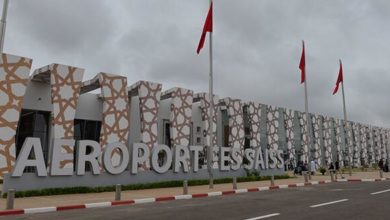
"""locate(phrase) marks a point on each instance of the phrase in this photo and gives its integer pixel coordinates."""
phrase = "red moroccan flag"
(339, 79)
(208, 27)
(302, 63)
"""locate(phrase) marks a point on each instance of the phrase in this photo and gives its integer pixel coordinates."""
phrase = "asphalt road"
(327, 201)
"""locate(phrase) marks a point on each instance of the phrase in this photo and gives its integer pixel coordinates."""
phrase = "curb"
(170, 198)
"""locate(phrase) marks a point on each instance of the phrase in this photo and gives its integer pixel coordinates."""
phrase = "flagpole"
(308, 132)
(346, 127)
(3, 24)
(211, 134)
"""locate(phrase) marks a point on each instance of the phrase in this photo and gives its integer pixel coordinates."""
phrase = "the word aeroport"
(180, 158)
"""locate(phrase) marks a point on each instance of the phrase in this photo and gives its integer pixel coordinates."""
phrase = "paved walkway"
(59, 200)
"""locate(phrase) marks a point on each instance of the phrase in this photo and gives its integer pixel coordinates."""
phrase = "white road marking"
(98, 205)
(374, 193)
(40, 210)
(328, 203)
(263, 217)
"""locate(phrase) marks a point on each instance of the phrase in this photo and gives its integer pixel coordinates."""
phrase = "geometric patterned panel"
(65, 90)
(14, 73)
(383, 143)
(304, 132)
(317, 133)
(236, 123)
(339, 142)
(328, 142)
(363, 145)
(115, 120)
(205, 113)
(349, 140)
(204, 99)
(289, 126)
(272, 127)
(254, 115)
(181, 115)
(65, 84)
(357, 145)
(377, 144)
(370, 145)
(149, 95)
(386, 142)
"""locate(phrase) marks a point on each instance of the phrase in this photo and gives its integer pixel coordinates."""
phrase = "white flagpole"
(211, 111)
(346, 126)
(308, 132)
(3, 24)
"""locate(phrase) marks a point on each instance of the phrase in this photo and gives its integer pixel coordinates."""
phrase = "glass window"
(87, 130)
(167, 133)
(33, 124)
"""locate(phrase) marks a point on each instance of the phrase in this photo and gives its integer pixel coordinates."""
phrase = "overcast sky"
(257, 47)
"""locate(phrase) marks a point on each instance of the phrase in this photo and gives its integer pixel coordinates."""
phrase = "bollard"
(381, 173)
(272, 180)
(118, 189)
(306, 177)
(10, 199)
(185, 187)
(331, 175)
(211, 182)
(350, 170)
(234, 182)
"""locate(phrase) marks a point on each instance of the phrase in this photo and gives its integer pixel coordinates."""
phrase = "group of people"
(304, 166)
(333, 167)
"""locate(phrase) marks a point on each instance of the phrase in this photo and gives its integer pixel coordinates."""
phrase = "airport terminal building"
(56, 102)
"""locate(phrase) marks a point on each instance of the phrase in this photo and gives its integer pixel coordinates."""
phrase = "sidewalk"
(61, 200)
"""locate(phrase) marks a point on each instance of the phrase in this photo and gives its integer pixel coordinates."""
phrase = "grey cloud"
(257, 46)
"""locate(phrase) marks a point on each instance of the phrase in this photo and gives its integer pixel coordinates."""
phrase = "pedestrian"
(305, 166)
(337, 166)
(313, 167)
(331, 167)
(380, 164)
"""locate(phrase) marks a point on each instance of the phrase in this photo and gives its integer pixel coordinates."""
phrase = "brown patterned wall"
(205, 113)
(236, 123)
(115, 121)
(149, 95)
(181, 115)
(65, 83)
(317, 143)
(289, 126)
(304, 133)
(328, 141)
(254, 115)
(273, 127)
(14, 73)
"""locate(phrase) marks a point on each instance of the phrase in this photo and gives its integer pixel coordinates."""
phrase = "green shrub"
(322, 170)
(166, 184)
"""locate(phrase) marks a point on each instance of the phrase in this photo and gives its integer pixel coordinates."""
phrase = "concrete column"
(305, 174)
(272, 180)
(118, 189)
(10, 199)
(185, 187)
(234, 182)
(332, 175)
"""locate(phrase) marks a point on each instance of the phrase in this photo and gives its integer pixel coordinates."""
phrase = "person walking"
(380, 164)
(313, 167)
(337, 166)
